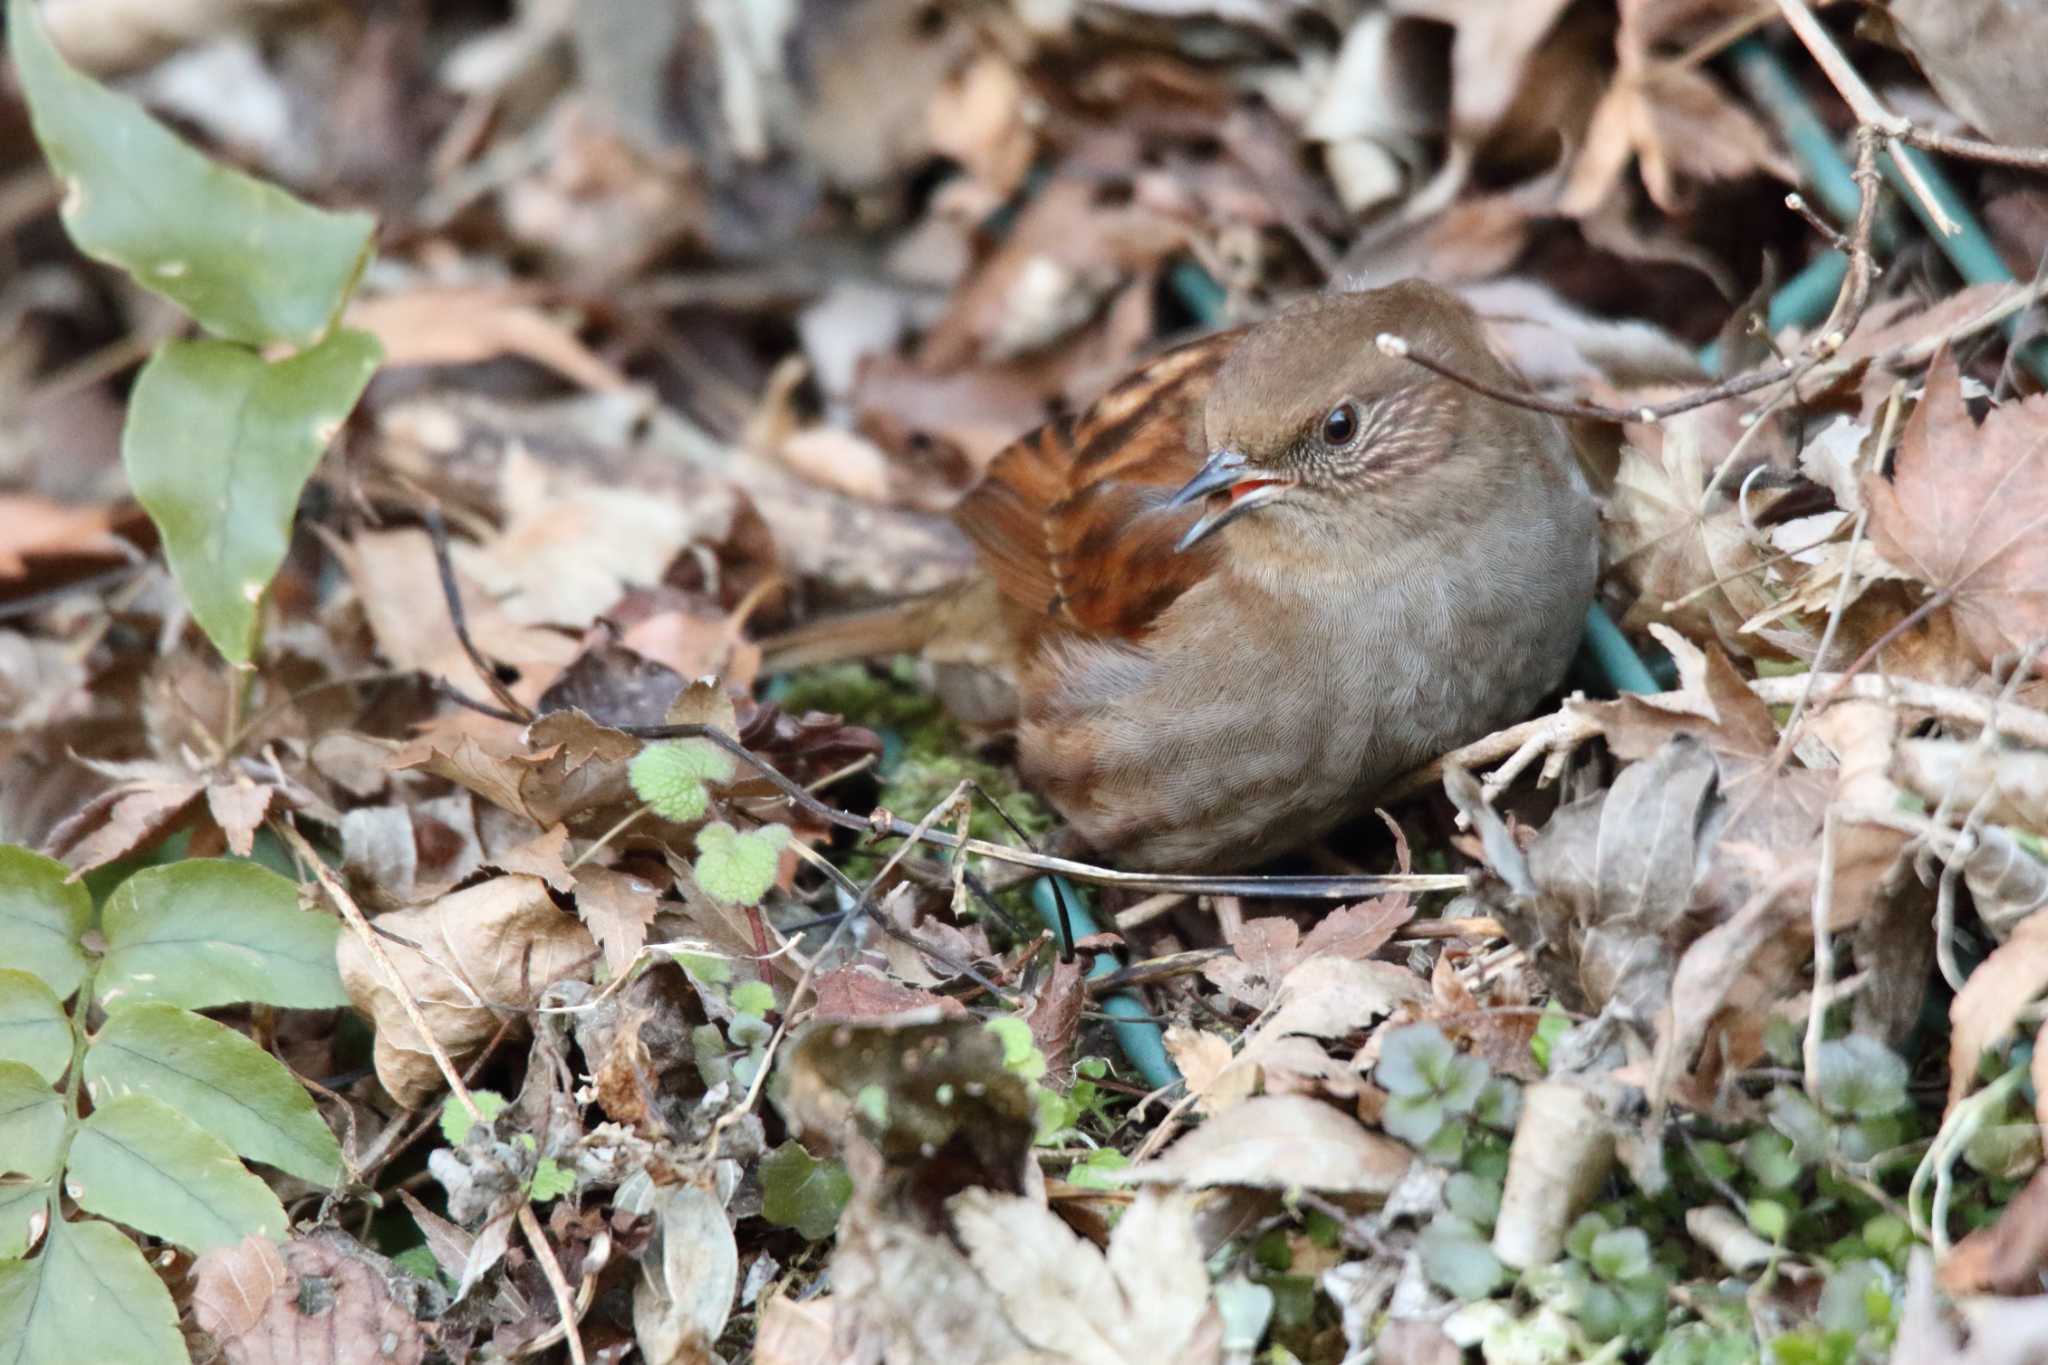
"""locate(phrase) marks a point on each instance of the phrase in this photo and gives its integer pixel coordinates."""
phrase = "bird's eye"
(1341, 425)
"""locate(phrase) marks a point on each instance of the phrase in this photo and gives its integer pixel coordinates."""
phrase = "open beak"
(1232, 488)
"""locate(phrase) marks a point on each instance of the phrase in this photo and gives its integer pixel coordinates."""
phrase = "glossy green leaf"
(31, 1123)
(140, 1162)
(799, 1191)
(34, 1029)
(249, 261)
(219, 1079)
(89, 1296)
(207, 931)
(22, 1201)
(41, 919)
(218, 445)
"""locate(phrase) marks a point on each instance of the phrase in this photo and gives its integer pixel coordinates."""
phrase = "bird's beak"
(1229, 479)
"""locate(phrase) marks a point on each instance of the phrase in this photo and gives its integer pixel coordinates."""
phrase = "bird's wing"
(1068, 520)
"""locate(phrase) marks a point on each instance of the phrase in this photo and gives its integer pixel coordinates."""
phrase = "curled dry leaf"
(1992, 1000)
(687, 1279)
(1279, 1142)
(499, 943)
(1966, 513)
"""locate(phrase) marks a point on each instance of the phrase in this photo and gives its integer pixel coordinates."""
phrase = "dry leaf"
(618, 909)
(499, 943)
(466, 326)
(1990, 1003)
(1147, 1300)
(323, 1299)
(1278, 1142)
(1966, 512)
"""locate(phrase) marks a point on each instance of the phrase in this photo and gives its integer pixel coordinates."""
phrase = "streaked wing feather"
(1068, 518)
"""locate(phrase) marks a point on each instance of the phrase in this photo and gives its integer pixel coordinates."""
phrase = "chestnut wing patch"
(1068, 519)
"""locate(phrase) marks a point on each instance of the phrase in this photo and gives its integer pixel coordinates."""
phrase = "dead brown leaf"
(1278, 1142)
(464, 958)
(262, 1306)
(469, 325)
(1990, 1003)
(1966, 512)
(618, 909)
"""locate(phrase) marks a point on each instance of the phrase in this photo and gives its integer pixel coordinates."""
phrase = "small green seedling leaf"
(1620, 1255)
(42, 919)
(249, 261)
(753, 997)
(140, 1162)
(218, 1078)
(218, 446)
(1861, 1078)
(551, 1180)
(671, 776)
(1414, 1060)
(31, 1123)
(89, 1295)
(456, 1120)
(210, 931)
(33, 1027)
(798, 1191)
(1458, 1260)
(738, 868)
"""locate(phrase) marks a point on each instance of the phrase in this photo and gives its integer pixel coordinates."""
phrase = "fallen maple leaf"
(1966, 512)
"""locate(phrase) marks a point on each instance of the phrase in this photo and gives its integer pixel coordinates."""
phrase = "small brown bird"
(1261, 577)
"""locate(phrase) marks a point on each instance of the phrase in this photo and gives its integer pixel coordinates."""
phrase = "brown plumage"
(1267, 573)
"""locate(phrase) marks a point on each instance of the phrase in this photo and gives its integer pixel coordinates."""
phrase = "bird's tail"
(962, 624)
(900, 628)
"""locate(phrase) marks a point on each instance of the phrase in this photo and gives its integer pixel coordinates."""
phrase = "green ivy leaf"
(670, 776)
(209, 931)
(1414, 1119)
(34, 1029)
(88, 1296)
(1098, 1171)
(249, 261)
(456, 1120)
(42, 919)
(798, 1191)
(31, 1123)
(218, 445)
(140, 1162)
(738, 868)
(221, 1080)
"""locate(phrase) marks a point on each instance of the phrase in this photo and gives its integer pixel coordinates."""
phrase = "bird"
(1267, 573)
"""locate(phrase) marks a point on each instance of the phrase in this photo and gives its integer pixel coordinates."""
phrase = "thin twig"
(1968, 148)
(359, 924)
(1864, 104)
(444, 565)
(1829, 233)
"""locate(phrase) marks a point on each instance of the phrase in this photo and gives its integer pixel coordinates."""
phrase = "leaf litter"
(694, 334)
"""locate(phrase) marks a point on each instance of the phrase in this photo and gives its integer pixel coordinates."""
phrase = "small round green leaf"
(738, 868)
(671, 777)
(208, 931)
(1414, 1059)
(34, 1029)
(140, 1162)
(42, 918)
(1458, 1260)
(88, 1296)
(1861, 1078)
(218, 445)
(31, 1123)
(218, 1078)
